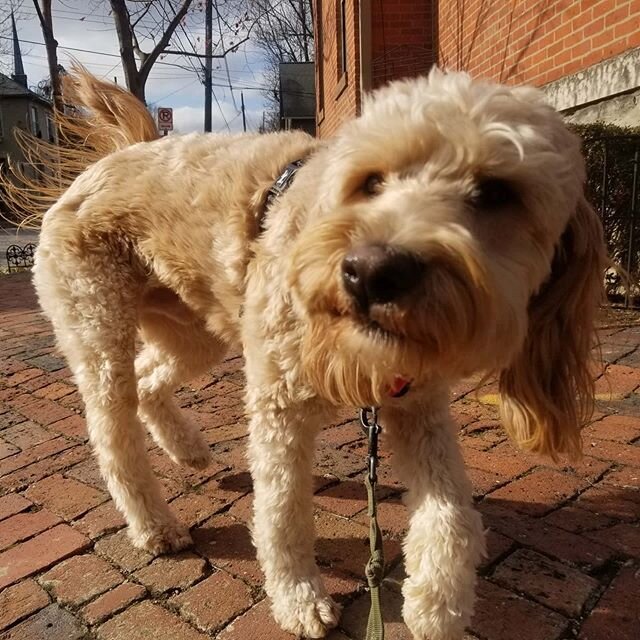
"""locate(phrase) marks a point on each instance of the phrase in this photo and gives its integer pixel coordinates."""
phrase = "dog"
(442, 233)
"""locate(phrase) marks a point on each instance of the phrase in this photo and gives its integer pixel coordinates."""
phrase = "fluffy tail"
(98, 118)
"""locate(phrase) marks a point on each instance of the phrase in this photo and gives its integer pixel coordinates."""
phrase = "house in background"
(297, 96)
(584, 55)
(21, 108)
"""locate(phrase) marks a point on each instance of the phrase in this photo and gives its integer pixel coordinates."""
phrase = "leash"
(375, 567)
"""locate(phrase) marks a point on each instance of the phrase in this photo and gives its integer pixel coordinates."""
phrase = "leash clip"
(369, 423)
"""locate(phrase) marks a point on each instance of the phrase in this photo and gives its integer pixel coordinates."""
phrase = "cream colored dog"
(443, 233)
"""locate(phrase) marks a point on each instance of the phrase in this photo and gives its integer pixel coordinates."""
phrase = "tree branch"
(145, 68)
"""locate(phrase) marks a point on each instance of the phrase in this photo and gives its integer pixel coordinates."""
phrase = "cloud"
(188, 119)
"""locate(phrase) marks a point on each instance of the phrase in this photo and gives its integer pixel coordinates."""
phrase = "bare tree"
(8, 9)
(130, 27)
(5, 38)
(283, 31)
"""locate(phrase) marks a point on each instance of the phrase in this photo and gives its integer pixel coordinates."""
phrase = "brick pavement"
(564, 541)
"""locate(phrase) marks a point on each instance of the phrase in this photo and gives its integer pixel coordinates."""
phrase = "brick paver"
(19, 601)
(170, 573)
(563, 543)
(80, 579)
(112, 602)
(214, 602)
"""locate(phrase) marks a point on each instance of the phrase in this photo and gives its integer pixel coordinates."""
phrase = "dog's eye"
(493, 193)
(373, 184)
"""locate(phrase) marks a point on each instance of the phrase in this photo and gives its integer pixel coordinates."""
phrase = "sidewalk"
(564, 541)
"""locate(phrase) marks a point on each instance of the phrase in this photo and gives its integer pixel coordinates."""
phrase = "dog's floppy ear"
(547, 392)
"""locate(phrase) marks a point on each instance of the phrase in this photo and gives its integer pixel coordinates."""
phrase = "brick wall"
(338, 94)
(534, 41)
(401, 39)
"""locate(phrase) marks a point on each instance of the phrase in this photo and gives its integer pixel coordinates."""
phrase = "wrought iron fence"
(613, 184)
(20, 258)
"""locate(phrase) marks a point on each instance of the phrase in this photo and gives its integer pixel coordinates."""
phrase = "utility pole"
(208, 63)
(244, 118)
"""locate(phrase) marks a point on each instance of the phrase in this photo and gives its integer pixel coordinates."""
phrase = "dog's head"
(453, 237)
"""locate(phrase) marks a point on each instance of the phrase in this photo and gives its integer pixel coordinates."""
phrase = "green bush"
(610, 194)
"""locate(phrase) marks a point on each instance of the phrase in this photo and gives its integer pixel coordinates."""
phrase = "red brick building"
(585, 54)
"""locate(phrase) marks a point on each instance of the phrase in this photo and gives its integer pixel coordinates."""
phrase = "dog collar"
(278, 188)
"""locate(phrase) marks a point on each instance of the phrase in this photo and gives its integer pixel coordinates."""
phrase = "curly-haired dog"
(444, 232)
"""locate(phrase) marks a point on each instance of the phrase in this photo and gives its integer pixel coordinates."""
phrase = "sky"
(87, 25)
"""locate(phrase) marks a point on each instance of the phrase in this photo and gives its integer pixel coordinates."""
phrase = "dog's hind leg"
(174, 352)
(92, 297)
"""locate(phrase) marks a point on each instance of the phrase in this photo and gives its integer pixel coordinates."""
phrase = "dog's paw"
(199, 458)
(306, 611)
(166, 538)
(429, 617)
(190, 452)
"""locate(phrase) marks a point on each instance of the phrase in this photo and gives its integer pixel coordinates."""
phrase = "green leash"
(375, 567)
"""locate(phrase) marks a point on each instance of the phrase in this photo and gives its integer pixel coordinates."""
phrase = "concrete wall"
(607, 91)
(623, 111)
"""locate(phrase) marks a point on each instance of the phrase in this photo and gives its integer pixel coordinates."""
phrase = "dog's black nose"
(378, 274)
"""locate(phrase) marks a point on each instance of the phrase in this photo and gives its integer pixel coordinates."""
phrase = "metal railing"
(613, 185)
(20, 258)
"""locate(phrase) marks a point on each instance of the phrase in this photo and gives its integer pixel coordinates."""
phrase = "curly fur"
(159, 238)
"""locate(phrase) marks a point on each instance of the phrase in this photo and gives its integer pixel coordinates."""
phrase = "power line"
(245, 87)
(157, 100)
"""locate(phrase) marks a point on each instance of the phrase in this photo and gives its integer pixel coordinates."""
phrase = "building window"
(35, 125)
(341, 33)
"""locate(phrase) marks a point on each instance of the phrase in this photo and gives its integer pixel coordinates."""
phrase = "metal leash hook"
(373, 430)
(375, 567)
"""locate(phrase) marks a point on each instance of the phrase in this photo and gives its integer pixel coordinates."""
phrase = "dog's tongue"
(399, 386)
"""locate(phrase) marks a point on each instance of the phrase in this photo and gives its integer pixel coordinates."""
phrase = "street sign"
(165, 118)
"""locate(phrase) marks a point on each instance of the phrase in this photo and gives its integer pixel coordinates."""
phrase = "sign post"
(165, 120)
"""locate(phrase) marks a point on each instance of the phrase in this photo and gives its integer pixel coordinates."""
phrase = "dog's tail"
(98, 118)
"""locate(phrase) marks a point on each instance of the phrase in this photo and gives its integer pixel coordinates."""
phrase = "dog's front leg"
(281, 454)
(445, 540)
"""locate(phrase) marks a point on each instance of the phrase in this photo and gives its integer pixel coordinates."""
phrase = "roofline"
(27, 96)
